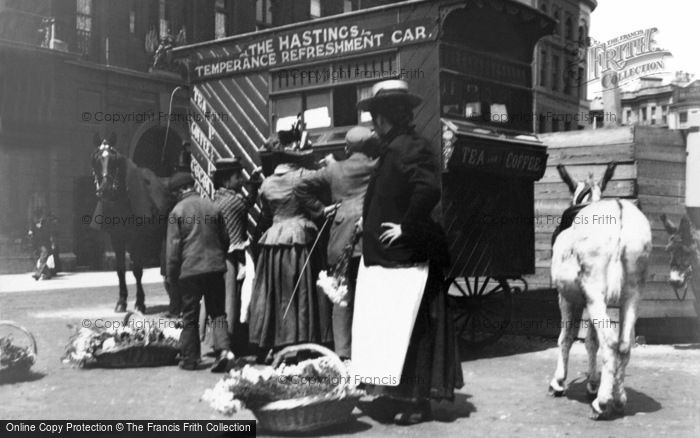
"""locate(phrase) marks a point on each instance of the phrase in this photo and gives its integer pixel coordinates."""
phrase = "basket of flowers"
(136, 343)
(311, 395)
(17, 354)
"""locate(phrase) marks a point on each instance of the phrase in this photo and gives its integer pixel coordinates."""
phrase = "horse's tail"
(616, 266)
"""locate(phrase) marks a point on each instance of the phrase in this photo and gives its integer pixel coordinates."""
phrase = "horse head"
(684, 251)
(591, 190)
(108, 170)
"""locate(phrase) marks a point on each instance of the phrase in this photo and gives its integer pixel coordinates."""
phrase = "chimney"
(612, 103)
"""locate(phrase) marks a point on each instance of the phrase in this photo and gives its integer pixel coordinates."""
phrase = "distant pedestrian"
(346, 181)
(196, 263)
(235, 203)
(42, 238)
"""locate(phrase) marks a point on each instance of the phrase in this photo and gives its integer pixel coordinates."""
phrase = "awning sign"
(299, 46)
(509, 160)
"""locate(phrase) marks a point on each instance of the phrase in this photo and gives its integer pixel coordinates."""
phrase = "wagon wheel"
(481, 308)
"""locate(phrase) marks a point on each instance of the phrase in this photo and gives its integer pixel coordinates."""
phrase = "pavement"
(505, 392)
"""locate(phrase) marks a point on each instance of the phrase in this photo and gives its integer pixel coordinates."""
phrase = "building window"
(263, 15)
(555, 125)
(644, 114)
(315, 9)
(683, 117)
(132, 18)
(557, 16)
(653, 115)
(220, 19)
(347, 6)
(664, 114)
(83, 25)
(164, 25)
(543, 68)
(567, 125)
(628, 117)
(555, 73)
(569, 28)
(582, 36)
(581, 83)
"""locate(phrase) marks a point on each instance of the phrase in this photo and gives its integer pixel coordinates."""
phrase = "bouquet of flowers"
(334, 282)
(87, 346)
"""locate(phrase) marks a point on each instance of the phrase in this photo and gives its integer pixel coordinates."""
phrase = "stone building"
(559, 68)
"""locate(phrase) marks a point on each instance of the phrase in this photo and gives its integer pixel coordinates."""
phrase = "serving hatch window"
(315, 106)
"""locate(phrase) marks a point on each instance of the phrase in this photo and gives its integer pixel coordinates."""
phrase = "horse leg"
(597, 310)
(570, 313)
(593, 374)
(119, 247)
(137, 269)
(628, 316)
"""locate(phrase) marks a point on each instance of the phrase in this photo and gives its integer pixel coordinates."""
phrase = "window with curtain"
(83, 25)
(163, 24)
(263, 15)
(220, 19)
(315, 9)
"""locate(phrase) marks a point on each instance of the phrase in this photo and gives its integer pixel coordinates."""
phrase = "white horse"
(600, 260)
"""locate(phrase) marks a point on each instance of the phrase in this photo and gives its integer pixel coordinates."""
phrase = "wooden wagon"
(469, 60)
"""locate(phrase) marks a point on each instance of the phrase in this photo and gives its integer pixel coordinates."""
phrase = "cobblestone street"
(505, 392)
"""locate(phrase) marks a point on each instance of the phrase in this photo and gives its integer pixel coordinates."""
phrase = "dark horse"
(132, 204)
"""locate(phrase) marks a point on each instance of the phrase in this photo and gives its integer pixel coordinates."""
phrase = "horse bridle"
(688, 274)
(103, 155)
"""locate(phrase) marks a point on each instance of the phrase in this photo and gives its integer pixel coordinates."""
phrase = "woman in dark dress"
(283, 250)
(399, 234)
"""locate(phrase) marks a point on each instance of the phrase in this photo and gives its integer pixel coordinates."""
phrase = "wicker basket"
(155, 354)
(132, 356)
(12, 371)
(308, 413)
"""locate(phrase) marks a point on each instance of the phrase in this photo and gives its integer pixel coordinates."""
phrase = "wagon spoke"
(461, 289)
(476, 284)
(469, 287)
(483, 285)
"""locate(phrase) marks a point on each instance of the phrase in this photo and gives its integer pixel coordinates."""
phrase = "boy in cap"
(346, 181)
(235, 205)
(195, 265)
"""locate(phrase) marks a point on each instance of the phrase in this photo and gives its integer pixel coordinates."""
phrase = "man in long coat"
(346, 181)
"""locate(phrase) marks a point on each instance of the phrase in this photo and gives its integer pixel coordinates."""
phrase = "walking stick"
(303, 268)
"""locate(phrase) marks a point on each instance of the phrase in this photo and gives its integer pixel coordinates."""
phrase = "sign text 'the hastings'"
(299, 46)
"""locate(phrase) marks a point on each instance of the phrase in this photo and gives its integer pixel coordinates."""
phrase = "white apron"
(385, 309)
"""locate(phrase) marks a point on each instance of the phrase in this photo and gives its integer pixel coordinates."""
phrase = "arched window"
(557, 16)
(582, 35)
(569, 28)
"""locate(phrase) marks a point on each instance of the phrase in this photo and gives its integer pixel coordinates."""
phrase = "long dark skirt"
(309, 316)
(432, 368)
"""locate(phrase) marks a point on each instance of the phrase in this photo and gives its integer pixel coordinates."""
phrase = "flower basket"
(16, 360)
(137, 343)
(307, 396)
(132, 356)
(309, 413)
